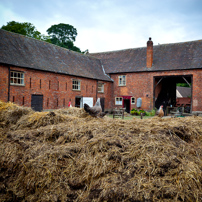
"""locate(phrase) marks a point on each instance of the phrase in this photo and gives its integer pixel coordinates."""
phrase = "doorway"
(126, 103)
(78, 101)
(102, 102)
(165, 90)
(37, 102)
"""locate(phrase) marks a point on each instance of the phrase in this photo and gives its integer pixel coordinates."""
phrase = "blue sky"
(107, 25)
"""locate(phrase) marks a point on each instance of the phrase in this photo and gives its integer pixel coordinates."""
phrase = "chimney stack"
(149, 53)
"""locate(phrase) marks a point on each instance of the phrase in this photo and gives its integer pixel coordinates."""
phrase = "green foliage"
(183, 84)
(63, 35)
(62, 32)
(145, 113)
(24, 28)
(152, 112)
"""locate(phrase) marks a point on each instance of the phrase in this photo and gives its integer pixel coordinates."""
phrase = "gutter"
(56, 72)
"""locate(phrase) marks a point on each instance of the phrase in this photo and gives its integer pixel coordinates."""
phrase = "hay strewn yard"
(66, 155)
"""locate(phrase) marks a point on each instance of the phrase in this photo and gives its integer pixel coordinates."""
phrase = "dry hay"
(90, 159)
(10, 113)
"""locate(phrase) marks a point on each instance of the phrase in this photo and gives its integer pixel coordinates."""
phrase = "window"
(122, 80)
(57, 102)
(75, 85)
(100, 87)
(118, 100)
(16, 78)
(63, 102)
(132, 100)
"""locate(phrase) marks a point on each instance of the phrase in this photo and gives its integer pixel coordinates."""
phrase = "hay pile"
(67, 155)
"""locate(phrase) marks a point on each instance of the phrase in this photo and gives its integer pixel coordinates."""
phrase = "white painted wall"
(88, 100)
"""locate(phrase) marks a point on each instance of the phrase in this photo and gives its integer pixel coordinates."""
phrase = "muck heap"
(66, 155)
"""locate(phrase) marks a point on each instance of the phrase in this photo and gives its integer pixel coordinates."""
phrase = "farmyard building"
(43, 76)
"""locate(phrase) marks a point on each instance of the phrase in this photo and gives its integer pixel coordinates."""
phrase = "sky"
(109, 25)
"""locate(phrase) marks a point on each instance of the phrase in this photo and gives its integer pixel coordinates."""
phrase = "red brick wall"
(141, 85)
(60, 92)
(137, 85)
(4, 83)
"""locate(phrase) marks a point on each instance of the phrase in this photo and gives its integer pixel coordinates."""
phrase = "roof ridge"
(118, 50)
(114, 51)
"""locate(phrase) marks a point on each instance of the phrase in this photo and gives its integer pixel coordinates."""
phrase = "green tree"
(24, 28)
(63, 35)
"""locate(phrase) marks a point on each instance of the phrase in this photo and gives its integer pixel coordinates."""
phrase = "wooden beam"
(158, 82)
(187, 82)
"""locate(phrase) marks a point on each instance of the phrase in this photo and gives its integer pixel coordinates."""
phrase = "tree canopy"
(62, 32)
(63, 35)
(24, 28)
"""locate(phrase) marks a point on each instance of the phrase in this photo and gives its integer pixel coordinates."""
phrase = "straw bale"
(62, 157)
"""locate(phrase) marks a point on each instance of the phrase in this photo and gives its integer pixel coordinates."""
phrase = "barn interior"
(165, 92)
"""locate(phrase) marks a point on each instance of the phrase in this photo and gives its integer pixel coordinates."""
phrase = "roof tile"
(22, 51)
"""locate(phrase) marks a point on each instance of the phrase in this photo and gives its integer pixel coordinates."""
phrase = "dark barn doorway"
(102, 102)
(165, 90)
(37, 102)
(78, 101)
(126, 103)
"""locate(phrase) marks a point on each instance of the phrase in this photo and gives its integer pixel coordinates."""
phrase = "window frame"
(134, 100)
(100, 89)
(17, 77)
(122, 80)
(118, 99)
(78, 84)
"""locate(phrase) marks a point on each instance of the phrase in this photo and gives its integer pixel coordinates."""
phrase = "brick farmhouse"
(44, 76)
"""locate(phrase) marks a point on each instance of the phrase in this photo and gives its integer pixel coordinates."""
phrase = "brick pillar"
(149, 53)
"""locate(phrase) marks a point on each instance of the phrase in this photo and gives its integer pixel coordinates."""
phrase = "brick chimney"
(149, 53)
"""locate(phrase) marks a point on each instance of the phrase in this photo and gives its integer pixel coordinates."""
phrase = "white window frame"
(133, 100)
(100, 87)
(76, 85)
(17, 78)
(122, 80)
(118, 101)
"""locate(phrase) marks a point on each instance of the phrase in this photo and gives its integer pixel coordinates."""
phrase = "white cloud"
(111, 24)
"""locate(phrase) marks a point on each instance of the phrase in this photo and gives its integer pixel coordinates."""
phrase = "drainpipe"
(9, 83)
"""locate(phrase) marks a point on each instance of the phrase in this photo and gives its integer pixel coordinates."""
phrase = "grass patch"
(131, 117)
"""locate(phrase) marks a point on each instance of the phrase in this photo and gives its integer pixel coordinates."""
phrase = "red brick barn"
(40, 75)
(44, 76)
(151, 73)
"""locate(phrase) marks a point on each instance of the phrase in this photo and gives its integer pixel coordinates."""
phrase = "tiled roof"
(184, 91)
(26, 52)
(176, 56)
